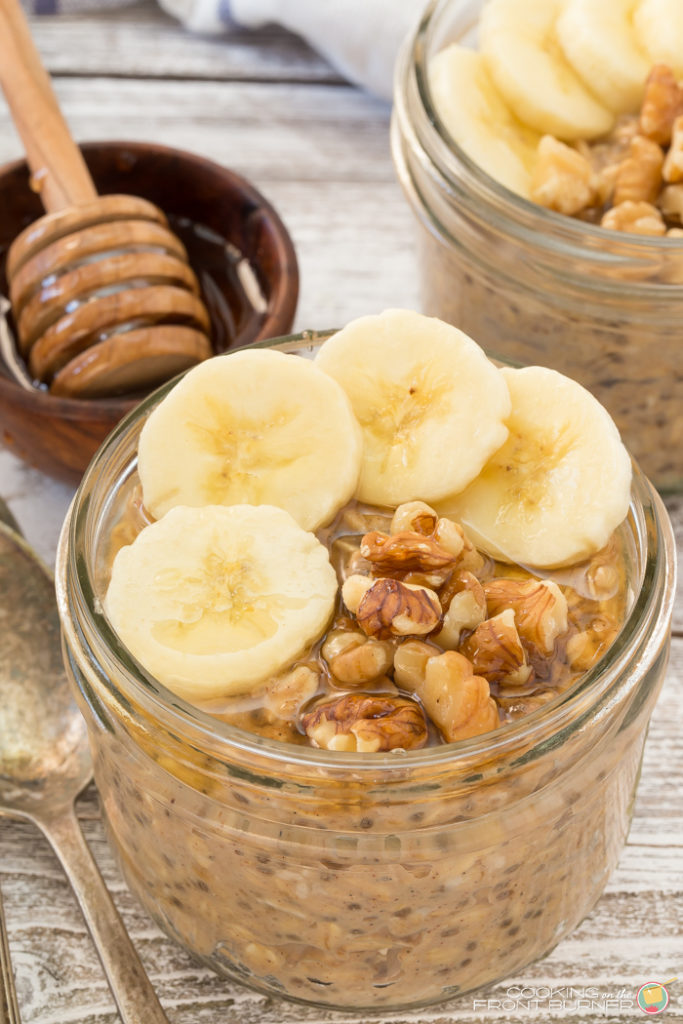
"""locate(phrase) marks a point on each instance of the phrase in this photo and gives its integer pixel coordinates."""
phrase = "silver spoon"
(45, 762)
(9, 1008)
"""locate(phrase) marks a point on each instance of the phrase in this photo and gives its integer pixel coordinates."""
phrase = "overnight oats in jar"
(367, 647)
(540, 146)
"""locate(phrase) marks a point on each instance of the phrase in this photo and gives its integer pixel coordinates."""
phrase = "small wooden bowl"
(237, 245)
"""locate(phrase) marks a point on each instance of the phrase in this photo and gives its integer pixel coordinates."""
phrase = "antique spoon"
(45, 761)
(9, 1008)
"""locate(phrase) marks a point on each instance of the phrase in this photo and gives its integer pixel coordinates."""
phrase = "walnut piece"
(638, 218)
(355, 659)
(366, 723)
(670, 202)
(451, 536)
(286, 694)
(673, 165)
(496, 651)
(457, 701)
(563, 179)
(354, 589)
(466, 610)
(586, 648)
(603, 579)
(662, 102)
(410, 662)
(540, 609)
(391, 608)
(404, 552)
(639, 176)
(416, 516)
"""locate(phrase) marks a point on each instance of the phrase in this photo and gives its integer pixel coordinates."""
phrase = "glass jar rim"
(530, 218)
(76, 593)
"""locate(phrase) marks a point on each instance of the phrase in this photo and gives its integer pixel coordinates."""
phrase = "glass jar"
(360, 880)
(532, 285)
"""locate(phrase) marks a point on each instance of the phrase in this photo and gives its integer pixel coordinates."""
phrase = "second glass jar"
(534, 286)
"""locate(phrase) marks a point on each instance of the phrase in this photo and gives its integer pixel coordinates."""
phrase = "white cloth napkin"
(359, 37)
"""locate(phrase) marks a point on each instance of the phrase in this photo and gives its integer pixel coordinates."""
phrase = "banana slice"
(600, 42)
(478, 119)
(517, 37)
(254, 427)
(659, 24)
(429, 402)
(559, 486)
(214, 600)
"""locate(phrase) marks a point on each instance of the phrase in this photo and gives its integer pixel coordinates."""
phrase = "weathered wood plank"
(674, 503)
(270, 132)
(143, 41)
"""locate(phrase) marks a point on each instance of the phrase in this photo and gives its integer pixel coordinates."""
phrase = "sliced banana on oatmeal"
(255, 427)
(600, 42)
(518, 40)
(430, 404)
(561, 483)
(478, 119)
(213, 601)
(659, 25)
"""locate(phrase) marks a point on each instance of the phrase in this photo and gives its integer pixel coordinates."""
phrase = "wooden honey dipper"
(103, 297)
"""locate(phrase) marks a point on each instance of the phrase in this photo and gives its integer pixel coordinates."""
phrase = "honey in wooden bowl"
(237, 245)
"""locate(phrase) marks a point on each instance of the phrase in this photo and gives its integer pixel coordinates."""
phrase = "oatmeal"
(461, 747)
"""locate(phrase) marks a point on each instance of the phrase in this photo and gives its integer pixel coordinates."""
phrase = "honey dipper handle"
(56, 163)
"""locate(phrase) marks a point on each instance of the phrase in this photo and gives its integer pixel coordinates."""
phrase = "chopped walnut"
(355, 659)
(638, 218)
(466, 610)
(619, 180)
(451, 536)
(496, 651)
(457, 701)
(404, 551)
(354, 589)
(673, 165)
(584, 649)
(391, 608)
(602, 578)
(639, 176)
(563, 179)
(517, 707)
(410, 662)
(662, 103)
(286, 694)
(540, 609)
(416, 516)
(670, 202)
(366, 723)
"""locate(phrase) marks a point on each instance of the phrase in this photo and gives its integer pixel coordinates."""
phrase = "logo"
(653, 996)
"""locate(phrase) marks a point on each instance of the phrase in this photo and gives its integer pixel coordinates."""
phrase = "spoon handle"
(9, 1009)
(131, 988)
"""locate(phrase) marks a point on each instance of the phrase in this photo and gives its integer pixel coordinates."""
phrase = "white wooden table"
(318, 148)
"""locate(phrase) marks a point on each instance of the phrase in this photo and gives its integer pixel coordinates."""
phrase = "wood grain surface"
(266, 106)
